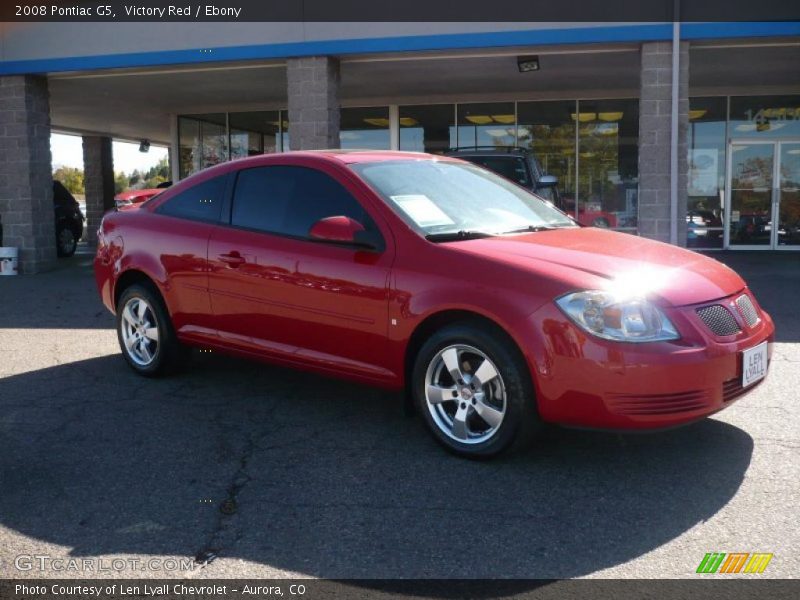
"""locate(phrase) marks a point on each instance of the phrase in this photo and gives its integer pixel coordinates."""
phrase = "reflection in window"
(608, 137)
(765, 117)
(365, 128)
(751, 194)
(486, 124)
(189, 146)
(789, 185)
(203, 142)
(253, 133)
(427, 128)
(548, 129)
(706, 178)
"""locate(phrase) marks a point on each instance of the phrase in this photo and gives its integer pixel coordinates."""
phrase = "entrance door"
(764, 184)
(788, 234)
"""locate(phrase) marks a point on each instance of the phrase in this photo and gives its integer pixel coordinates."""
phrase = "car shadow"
(325, 478)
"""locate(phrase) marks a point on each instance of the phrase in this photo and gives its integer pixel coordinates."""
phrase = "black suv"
(515, 163)
(69, 220)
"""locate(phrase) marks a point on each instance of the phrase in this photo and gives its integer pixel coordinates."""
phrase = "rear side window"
(289, 200)
(201, 202)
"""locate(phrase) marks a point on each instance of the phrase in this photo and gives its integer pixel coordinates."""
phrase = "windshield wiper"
(463, 234)
(534, 228)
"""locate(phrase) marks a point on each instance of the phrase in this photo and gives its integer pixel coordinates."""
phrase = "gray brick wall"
(655, 107)
(98, 181)
(313, 90)
(26, 180)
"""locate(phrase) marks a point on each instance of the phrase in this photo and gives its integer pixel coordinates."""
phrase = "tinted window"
(289, 200)
(201, 202)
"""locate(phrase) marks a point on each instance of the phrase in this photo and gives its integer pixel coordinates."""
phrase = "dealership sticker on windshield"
(754, 364)
(422, 210)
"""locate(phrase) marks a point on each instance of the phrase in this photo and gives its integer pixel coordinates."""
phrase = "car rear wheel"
(601, 222)
(66, 242)
(474, 391)
(145, 332)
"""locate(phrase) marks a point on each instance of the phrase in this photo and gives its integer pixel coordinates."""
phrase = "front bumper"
(584, 381)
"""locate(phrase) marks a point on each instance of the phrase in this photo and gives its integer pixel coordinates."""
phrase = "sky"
(67, 151)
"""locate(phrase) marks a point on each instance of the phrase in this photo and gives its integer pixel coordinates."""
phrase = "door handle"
(232, 259)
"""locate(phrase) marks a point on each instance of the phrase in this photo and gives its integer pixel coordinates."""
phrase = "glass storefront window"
(189, 154)
(429, 128)
(608, 170)
(706, 178)
(547, 128)
(765, 117)
(486, 124)
(365, 128)
(204, 143)
(253, 133)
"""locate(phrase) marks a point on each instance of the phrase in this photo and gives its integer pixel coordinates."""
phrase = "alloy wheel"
(139, 331)
(465, 394)
(66, 240)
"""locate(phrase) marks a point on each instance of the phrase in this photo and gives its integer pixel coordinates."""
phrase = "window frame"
(227, 212)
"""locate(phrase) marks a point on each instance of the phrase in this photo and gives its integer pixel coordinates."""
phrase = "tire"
(66, 242)
(601, 222)
(145, 333)
(492, 409)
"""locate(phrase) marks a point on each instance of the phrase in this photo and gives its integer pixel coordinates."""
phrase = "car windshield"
(442, 197)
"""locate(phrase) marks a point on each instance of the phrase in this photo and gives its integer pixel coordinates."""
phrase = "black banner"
(407, 10)
(705, 587)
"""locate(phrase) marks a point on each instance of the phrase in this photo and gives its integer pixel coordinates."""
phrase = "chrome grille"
(718, 319)
(747, 310)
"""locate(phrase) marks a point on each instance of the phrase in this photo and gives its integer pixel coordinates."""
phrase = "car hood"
(592, 258)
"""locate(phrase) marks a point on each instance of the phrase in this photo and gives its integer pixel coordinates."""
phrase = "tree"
(120, 182)
(71, 178)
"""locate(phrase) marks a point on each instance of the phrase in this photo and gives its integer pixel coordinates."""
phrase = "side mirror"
(343, 230)
(547, 181)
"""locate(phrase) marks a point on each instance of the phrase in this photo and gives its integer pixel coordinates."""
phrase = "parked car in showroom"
(494, 311)
(523, 168)
(69, 220)
(129, 197)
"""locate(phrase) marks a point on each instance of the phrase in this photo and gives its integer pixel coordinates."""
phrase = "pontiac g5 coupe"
(493, 310)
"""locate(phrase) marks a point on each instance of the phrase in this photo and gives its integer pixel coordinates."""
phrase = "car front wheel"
(474, 391)
(145, 332)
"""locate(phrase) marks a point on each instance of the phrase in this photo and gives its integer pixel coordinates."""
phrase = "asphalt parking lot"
(280, 473)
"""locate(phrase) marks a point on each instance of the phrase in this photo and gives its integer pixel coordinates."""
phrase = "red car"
(494, 311)
(138, 196)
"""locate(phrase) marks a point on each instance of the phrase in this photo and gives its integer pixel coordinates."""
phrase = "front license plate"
(754, 364)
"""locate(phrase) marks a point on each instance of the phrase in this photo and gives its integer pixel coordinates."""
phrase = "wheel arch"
(442, 318)
(130, 277)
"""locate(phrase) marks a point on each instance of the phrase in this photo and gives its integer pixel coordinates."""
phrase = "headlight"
(625, 320)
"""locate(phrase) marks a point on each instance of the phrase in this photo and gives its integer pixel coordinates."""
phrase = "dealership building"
(687, 134)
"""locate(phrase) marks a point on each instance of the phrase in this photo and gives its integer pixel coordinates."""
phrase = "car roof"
(282, 158)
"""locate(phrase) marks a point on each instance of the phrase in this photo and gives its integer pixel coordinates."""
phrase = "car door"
(275, 291)
(180, 229)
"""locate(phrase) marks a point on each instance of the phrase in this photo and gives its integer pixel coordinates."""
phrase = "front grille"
(718, 319)
(657, 404)
(747, 310)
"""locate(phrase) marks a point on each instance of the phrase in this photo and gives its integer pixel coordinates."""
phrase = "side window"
(289, 200)
(201, 202)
